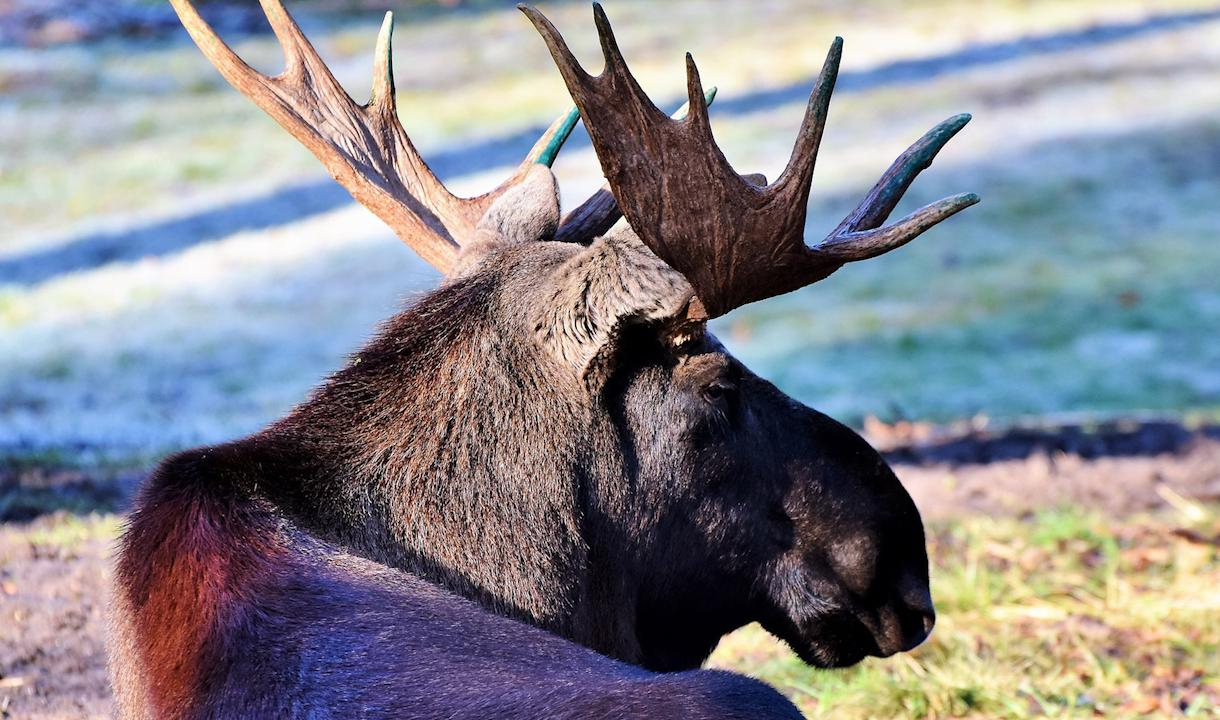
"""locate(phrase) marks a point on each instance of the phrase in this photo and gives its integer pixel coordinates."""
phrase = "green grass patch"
(1062, 614)
(66, 531)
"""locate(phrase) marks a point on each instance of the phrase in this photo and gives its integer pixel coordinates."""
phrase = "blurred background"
(1043, 369)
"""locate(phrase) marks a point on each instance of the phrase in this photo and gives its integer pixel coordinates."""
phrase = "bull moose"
(544, 489)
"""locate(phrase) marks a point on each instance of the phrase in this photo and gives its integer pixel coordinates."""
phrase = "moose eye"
(720, 404)
(719, 391)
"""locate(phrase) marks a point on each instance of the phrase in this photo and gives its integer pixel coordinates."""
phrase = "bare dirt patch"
(53, 577)
(1114, 469)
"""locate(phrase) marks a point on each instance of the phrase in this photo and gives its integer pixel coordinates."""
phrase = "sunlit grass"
(1084, 283)
(172, 126)
(67, 531)
(62, 532)
(1062, 614)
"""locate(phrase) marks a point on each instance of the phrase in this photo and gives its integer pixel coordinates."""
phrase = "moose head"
(554, 432)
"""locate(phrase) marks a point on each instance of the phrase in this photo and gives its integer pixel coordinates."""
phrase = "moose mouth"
(835, 640)
(839, 636)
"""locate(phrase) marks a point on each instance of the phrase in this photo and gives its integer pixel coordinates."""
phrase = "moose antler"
(735, 240)
(364, 147)
(597, 214)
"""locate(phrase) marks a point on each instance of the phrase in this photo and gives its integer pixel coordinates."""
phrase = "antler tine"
(569, 66)
(547, 146)
(581, 83)
(881, 200)
(696, 101)
(382, 94)
(364, 147)
(846, 247)
(605, 36)
(798, 173)
(298, 52)
(616, 67)
(231, 66)
(860, 235)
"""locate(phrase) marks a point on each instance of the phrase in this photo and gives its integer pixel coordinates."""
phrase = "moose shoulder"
(549, 451)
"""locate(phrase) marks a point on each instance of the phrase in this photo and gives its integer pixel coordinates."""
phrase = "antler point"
(559, 132)
(692, 70)
(383, 65)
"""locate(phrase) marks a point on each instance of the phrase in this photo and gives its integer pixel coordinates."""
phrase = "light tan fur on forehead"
(696, 369)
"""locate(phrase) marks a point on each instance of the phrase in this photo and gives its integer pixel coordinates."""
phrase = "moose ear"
(614, 282)
(526, 212)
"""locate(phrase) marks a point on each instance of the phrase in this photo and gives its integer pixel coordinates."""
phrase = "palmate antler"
(735, 240)
(364, 147)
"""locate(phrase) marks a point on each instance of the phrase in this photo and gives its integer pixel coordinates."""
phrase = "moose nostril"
(917, 614)
(917, 626)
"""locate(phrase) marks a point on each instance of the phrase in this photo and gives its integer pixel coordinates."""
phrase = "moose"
(544, 489)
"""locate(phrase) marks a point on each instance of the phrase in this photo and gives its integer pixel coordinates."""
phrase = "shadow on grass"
(1108, 439)
(30, 489)
(125, 21)
(296, 202)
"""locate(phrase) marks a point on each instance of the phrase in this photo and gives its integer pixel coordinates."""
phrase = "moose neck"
(443, 449)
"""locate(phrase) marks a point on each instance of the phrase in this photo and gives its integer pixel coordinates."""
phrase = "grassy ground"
(1082, 284)
(1060, 614)
(127, 125)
